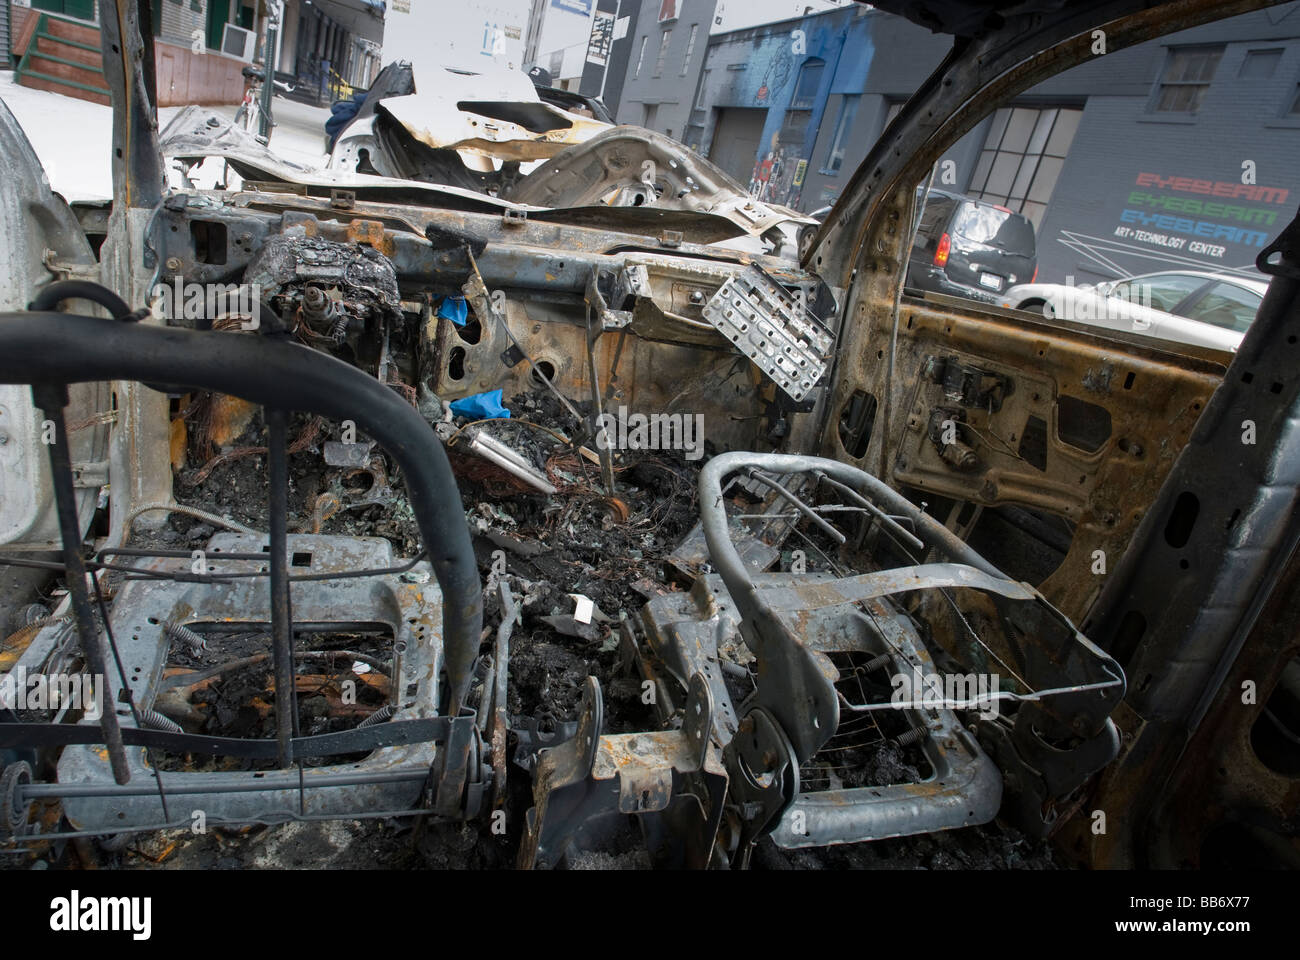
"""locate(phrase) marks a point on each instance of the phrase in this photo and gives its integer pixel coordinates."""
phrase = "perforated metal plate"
(775, 332)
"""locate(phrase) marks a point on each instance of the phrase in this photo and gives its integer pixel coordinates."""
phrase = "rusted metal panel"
(1152, 398)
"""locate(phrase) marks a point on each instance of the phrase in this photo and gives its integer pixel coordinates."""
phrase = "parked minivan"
(969, 248)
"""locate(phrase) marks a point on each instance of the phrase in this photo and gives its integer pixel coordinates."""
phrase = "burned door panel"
(43, 244)
(994, 410)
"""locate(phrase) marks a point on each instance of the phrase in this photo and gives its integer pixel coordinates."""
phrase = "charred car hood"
(197, 133)
(715, 210)
(500, 129)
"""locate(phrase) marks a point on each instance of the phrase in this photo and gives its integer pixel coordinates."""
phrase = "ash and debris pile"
(226, 688)
(612, 550)
(578, 561)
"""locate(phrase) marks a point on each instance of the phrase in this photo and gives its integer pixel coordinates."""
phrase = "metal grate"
(850, 757)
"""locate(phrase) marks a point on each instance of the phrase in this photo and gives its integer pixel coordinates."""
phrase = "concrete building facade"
(665, 59)
(1176, 153)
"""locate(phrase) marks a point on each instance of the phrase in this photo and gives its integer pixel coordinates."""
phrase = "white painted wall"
(464, 33)
(566, 29)
(741, 14)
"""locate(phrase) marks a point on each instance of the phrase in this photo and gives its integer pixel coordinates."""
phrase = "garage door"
(735, 141)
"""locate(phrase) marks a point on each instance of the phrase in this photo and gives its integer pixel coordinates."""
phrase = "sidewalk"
(73, 138)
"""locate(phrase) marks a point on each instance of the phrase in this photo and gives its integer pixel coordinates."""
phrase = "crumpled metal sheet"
(443, 121)
(197, 132)
(615, 167)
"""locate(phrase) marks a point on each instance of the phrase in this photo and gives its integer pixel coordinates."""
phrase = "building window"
(81, 9)
(690, 48)
(663, 52)
(1260, 64)
(810, 79)
(1023, 155)
(843, 126)
(640, 58)
(1188, 72)
(794, 130)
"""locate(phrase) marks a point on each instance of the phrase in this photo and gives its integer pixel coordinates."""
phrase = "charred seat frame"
(51, 350)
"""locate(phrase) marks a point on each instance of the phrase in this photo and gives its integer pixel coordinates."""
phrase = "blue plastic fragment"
(481, 406)
(454, 309)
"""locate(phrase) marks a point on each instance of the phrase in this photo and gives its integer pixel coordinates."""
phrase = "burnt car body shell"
(1060, 385)
(1002, 50)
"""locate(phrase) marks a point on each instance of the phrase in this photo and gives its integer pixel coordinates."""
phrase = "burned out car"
(572, 529)
(494, 135)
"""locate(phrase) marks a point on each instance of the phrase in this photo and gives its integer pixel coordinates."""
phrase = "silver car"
(1204, 309)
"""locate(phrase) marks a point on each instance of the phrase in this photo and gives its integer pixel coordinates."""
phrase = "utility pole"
(609, 55)
(274, 9)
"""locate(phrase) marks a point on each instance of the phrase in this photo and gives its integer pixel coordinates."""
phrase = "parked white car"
(1204, 309)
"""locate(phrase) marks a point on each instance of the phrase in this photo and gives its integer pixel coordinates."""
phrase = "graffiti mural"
(787, 70)
(775, 78)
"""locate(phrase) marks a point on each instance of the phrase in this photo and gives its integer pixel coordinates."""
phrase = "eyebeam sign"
(1164, 220)
(1203, 217)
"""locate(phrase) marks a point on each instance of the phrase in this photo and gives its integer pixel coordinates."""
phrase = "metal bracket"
(764, 777)
(780, 336)
(673, 780)
(457, 778)
(90, 474)
(968, 385)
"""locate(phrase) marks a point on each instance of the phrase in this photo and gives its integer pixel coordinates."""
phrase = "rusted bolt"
(173, 263)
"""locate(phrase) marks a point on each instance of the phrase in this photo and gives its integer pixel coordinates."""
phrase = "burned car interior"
(581, 508)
